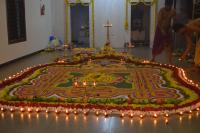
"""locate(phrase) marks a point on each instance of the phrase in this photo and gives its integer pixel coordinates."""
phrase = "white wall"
(112, 10)
(38, 29)
(58, 18)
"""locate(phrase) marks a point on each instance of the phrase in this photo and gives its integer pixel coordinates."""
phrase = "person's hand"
(193, 29)
(182, 58)
(188, 47)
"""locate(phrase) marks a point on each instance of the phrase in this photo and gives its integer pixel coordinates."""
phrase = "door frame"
(153, 17)
(90, 3)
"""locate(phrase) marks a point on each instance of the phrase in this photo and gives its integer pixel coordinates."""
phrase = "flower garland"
(148, 3)
(79, 1)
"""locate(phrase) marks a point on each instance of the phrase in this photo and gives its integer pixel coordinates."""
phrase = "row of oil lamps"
(84, 84)
(130, 113)
(18, 74)
(181, 72)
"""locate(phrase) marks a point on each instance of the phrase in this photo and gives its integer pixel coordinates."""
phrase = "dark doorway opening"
(140, 24)
(80, 25)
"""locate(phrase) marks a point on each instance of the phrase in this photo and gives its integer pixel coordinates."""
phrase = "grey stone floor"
(61, 123)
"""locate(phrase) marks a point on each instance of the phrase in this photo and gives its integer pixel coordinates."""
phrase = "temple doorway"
(80, 36)
(140, 24)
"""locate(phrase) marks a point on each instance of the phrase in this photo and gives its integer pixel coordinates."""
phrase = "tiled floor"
(51, 123)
